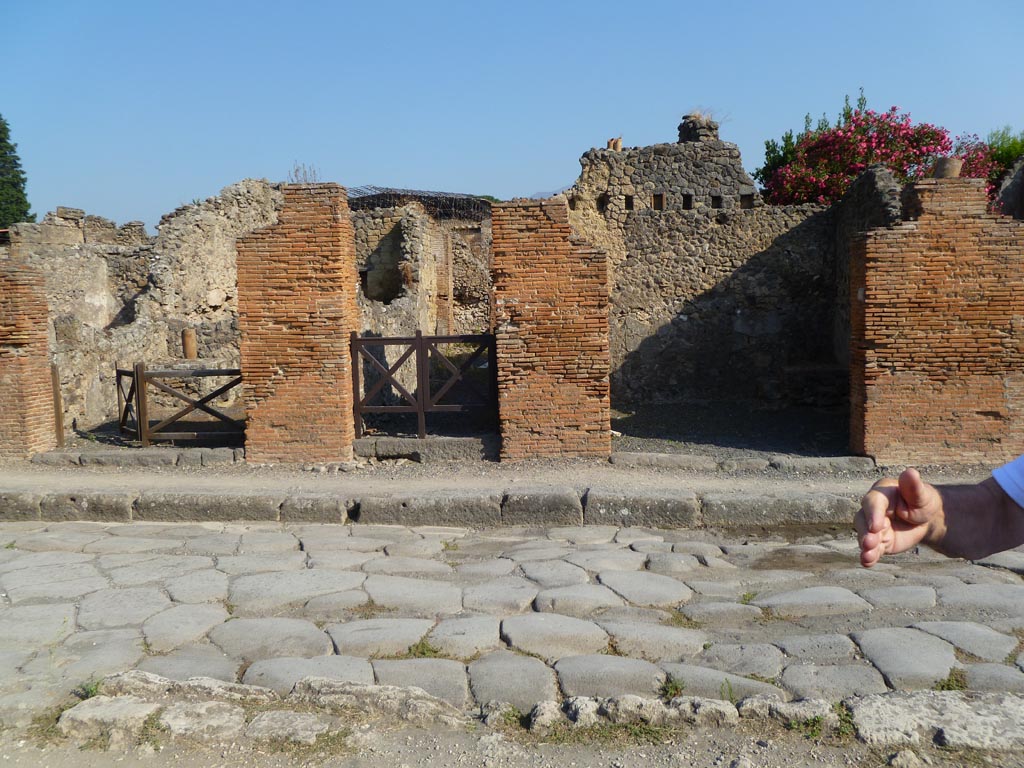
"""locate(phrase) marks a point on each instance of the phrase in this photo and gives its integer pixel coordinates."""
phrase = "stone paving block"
(203, 720)
(202, 586)
(582, 535)
(20, 505)
(1006, 599)
(673, 564)
(977, 639)
(22, 560)
(553, 636)
(262, 593)
(237, 565)
(469, 509)
(580, 600)
(181, 625)
(813, 601)
(554, 573)
(509, 594)
(208, 506)
(52, 582)
(608, 560)
(415, 597)
(58, 459)
(731, 589)
(408, 566)
(322, 546)
(132, 545)
(485, 570)
(200, 660)
(255, 639)
(721, 613)
(659, 509)
(987, 721)
(642, 588)
(639, 536)
(994, 677)
(148, 569)
(602, 676)
(212, 457)
(282, 673)
(315, 509)
(443, 678)
(537, 552)
(109, 608)
(908, 658)
(521, 681)
(704, 548)
(91, 505)
(731, 509)
(744, 659)
(1011, 560)
(92, 655)
(818, 648)
(715, 684)
(267, 542)
(285, 725)
(910, 598)
(330, 607)
(416, 548)
(831, 682)
(101, 715)
(665, 460)
(35, 626)
(378, 637)
(215, 544)
(463, 638)
(341, 561)
(654, 642)
(541, 505)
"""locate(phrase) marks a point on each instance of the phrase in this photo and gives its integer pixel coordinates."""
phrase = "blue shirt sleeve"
(1011, 479)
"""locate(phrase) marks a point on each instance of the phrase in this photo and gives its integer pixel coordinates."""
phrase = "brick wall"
(551, 313)
(297, 286)
(937, 351)
(26, 392)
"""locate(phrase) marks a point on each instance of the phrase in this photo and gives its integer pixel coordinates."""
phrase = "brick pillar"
(26, 390)
(297, 286)
(551, 320)
(937, 321)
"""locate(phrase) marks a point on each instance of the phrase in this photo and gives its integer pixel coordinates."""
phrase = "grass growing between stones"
(613, 734)
(817, 728)
(747, 598)
(368, 610)
(811, 728)
(87, 690)
(680, 620)
(671, 688)
(333, 743)
(955, 681)
(43, 729)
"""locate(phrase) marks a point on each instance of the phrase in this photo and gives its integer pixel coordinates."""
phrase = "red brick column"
(551, 318)
(26, 390)
(937, 316)
(296, 308)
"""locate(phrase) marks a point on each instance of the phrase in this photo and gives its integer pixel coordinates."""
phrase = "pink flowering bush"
(826, 162)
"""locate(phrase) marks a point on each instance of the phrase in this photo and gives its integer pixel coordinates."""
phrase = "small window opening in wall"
(716, 201)
(687, 202)
(572, 203)
(658, 201)
(746, 202)
(364, 278)
(629, 203)
(602, 202)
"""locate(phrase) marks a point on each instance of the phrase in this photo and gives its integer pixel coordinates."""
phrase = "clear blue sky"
(129, 109)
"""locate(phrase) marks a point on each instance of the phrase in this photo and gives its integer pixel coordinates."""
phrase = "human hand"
(896, 515)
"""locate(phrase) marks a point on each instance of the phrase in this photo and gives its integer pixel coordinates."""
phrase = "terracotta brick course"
(551, 315)
(26, 391)
(297, 286)
(937, 358)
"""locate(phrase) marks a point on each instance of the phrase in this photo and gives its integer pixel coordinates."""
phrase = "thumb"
(916, 493)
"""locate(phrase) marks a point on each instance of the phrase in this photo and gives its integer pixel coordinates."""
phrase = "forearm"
(977, 521)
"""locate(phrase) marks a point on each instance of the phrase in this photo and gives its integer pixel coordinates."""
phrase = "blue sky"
(130, 109)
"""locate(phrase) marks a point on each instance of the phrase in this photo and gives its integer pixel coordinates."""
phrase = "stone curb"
(525, 505)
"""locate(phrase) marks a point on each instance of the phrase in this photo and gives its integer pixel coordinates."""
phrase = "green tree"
(1006, 146)
(13, 203)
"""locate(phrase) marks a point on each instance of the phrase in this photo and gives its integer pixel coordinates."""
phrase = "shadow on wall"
(762, 335)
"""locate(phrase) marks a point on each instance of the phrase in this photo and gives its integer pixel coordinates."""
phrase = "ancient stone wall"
(117, 296)
(714, 295)
(551, 315)
(297, 308)
(1011, 191)
(26, 394)
(937, 356)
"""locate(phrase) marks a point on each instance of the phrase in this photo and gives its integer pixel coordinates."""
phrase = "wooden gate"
(443, 384)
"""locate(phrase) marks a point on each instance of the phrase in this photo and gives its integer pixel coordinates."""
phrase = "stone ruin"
(711, 293)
